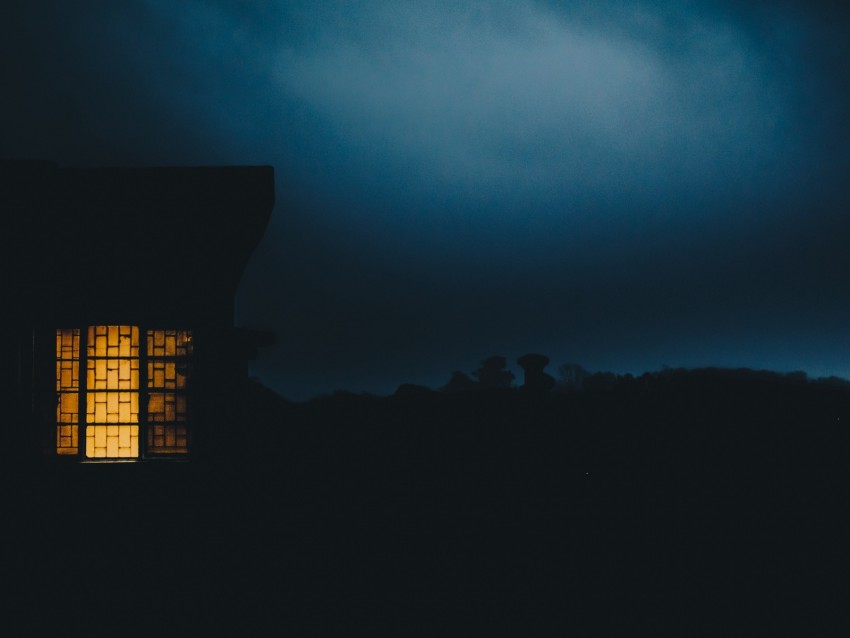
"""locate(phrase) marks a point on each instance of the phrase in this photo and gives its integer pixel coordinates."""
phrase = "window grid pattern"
(117, 383)
(167, 373)
(112, 396)
(68, 390)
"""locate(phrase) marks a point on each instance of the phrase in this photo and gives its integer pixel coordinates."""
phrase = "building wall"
(158, 247)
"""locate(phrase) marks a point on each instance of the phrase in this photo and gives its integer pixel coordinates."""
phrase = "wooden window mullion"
(143, 391)
(82, 389)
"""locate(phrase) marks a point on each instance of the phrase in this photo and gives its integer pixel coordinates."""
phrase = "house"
(122, 285)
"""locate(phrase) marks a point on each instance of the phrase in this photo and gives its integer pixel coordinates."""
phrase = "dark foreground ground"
(699, 504)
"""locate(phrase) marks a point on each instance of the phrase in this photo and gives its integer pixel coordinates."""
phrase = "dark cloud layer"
(618, 184)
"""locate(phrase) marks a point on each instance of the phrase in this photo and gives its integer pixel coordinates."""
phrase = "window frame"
(178, 387)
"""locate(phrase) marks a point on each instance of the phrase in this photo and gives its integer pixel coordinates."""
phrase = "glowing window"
(68, 390)
(132, 401)
(167, 380)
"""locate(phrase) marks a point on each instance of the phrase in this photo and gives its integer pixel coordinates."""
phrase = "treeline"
(654, 487)
(573, 377)
(489, 430)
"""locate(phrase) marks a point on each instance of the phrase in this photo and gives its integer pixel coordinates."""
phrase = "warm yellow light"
(169, 343)
(67, 387)
(112, 441)
(113, 341)
(112, 391)
(66, 439)
(112, 399)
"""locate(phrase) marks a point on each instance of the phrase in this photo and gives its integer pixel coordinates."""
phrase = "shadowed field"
(698, 504)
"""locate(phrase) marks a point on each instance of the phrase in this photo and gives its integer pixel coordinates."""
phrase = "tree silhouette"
(460, 382)
(572, 376)
(492, 373)
(535, 379)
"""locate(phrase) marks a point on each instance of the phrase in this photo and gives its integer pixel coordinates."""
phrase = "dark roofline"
(182, 235)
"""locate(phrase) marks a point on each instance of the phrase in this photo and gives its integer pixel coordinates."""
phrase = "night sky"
(622, 185)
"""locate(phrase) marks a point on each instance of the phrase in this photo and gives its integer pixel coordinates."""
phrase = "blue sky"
(617, 184)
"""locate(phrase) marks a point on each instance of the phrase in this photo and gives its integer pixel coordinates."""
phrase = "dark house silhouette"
(122, 284)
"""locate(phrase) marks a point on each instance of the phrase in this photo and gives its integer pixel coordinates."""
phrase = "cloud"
(539, 112)
(644, 175)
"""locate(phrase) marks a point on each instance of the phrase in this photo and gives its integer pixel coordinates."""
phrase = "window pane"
(66, 439)
(112, 407)
(169, 354)
(167, 439)
(67, 387)
(112, 441)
